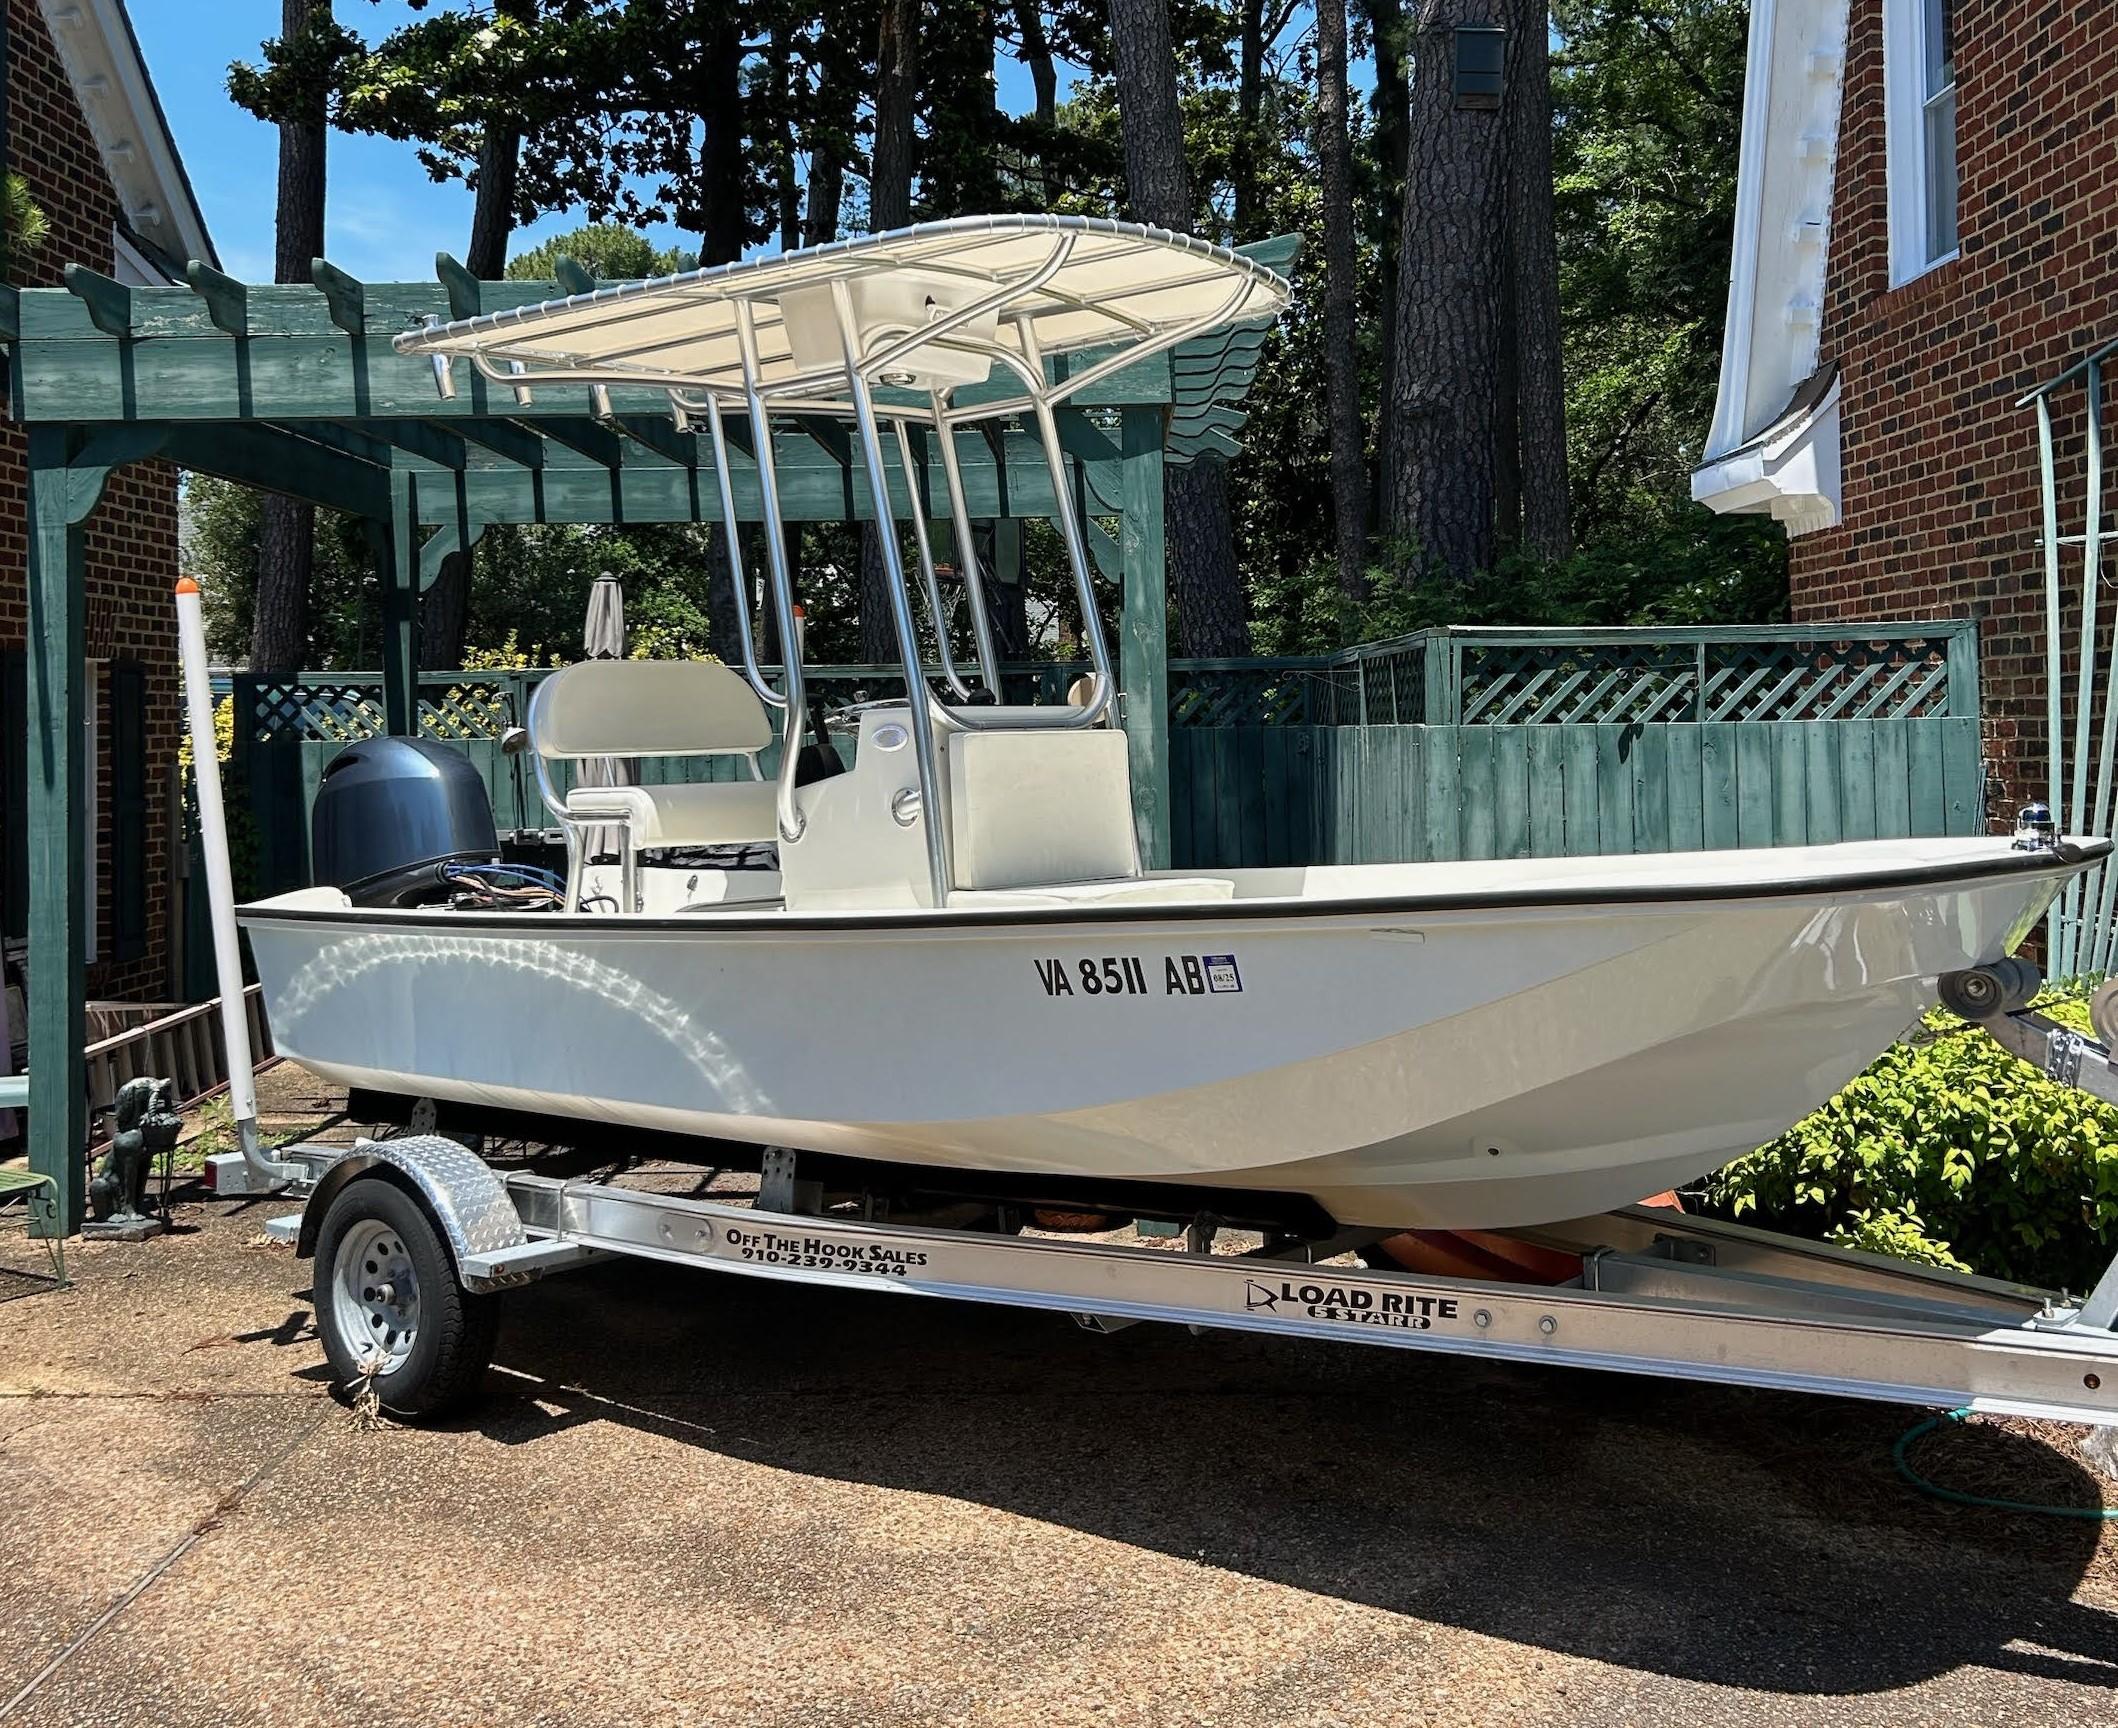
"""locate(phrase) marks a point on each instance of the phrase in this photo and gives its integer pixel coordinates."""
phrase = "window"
(1919, 75)
(1938, 128)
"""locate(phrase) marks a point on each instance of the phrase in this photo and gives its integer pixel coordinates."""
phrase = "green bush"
(1952, 1152)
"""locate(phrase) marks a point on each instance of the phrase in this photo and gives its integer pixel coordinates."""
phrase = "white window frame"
(1905, 139)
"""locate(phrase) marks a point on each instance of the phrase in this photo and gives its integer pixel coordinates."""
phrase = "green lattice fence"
(1445, 744)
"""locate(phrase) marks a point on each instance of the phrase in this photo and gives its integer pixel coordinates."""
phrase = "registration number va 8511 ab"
(1129, 975)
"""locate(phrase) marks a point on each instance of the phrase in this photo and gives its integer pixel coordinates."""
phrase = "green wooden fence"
(1252, 795)
(1445, 744)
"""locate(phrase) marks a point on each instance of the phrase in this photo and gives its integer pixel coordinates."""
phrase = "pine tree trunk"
(1243, 150)
(889, 206)
(1349, 461)
(279, 625)
(1392, 99)
(896, 96)
(1044, 80)
(286, 549)
(1507, 420)
(1157, 182)
(493, 214)
(445, 608)
(786, 177)
(724, 631)
(1202, 563)
(1202, 568)
(1438, 492)
(1540, 379)
(878, 631)
(723, 216)
(835, 102)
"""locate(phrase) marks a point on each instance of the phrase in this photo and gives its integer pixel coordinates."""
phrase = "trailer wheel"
(392, 1314)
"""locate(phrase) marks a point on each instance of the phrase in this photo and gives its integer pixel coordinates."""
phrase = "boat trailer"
(416, 1236)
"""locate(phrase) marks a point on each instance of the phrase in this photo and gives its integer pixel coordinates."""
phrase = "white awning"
(931, 304)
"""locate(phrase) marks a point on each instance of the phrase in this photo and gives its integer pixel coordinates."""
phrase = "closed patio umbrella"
(603, 638)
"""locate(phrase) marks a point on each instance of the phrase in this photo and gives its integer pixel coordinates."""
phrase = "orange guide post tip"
(185, 585)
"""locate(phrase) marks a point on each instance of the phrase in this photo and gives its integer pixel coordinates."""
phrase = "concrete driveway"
(695, 1499)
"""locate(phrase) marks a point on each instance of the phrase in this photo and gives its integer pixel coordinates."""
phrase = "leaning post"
(1143, 646)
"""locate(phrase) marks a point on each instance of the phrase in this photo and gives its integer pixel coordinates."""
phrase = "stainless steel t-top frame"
(929, 308)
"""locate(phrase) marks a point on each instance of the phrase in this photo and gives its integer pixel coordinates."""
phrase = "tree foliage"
(1949, 1151)
(751, 123)
(606, 250)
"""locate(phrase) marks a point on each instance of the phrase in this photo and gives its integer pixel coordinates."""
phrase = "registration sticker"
(1221, 974)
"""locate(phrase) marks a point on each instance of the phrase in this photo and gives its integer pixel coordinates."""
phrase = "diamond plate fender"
(468, 1200)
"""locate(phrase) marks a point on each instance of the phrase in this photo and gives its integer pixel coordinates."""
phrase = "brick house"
(84, 129)
(1926, 228)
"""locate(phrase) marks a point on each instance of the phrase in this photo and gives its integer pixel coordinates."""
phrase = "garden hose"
(1920, 1430)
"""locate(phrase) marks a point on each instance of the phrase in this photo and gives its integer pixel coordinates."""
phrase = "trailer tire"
(394, 1318)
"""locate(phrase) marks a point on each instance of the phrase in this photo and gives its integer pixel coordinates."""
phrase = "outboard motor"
(391, 813)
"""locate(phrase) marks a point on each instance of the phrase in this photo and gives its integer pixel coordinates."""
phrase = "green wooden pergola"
(297, 390)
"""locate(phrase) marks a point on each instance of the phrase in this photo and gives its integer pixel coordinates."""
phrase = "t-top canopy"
(932, 307)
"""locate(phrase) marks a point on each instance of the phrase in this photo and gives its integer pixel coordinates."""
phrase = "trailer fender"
(467, 1199)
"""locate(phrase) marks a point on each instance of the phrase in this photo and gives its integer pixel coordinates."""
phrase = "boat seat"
(1120, 891)
(632, 708)
(724, 813)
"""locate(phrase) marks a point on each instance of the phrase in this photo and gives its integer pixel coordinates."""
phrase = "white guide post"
(220, 890)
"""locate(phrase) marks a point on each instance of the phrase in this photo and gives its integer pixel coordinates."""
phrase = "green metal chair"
(14, 1095)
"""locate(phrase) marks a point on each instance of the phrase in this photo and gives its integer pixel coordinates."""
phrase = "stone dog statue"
(147, 1126)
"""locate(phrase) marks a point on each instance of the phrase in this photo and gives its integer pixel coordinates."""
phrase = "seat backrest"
(647, 708)
(1036, 809)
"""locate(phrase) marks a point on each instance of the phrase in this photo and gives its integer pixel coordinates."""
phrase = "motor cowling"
(391, 813)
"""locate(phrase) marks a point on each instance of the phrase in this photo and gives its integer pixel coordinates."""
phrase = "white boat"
(959, 965)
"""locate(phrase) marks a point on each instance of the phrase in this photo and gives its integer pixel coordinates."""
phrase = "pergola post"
(1143, 649)
(60, 905)
(398, 569)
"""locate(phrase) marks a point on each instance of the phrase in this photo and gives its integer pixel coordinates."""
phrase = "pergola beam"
(270, 460)
(330, 433)
(586, 438)
(107, 301)
(428, 443)
(84, 354)
(505, 439)
(344, 295)
(810, 491)
(661, 437)
(226, 299)
(570, 276)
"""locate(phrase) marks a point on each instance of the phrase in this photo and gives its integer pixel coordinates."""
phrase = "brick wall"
(1941, 511)
(132, 537)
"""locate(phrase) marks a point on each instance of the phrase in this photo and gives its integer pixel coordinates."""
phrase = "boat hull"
(1405, 1060)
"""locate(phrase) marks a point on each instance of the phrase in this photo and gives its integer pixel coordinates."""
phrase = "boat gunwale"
(2068, 858)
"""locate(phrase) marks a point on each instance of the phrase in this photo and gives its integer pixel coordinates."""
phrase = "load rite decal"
(1406, 1310)
(1123, 975)
(823, 1254)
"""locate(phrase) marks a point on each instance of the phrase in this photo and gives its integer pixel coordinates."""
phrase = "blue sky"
(384, 218)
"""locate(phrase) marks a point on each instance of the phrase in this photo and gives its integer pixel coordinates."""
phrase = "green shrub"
(1951, 1152)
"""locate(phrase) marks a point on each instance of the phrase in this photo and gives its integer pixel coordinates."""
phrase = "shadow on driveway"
(1739, 1538)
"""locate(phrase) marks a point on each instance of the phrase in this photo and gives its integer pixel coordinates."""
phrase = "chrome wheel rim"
(375, 1297)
